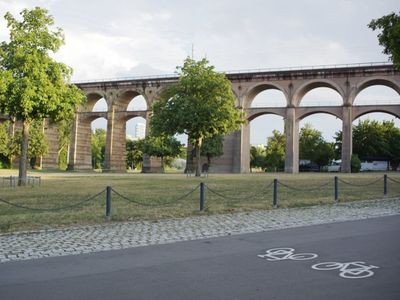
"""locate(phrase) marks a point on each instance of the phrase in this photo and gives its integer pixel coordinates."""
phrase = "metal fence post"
(385, 185)
(275, 199)
(108, 203)
(201, 196)
(336, 189)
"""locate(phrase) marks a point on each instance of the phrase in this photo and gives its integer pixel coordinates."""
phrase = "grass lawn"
(160, 193)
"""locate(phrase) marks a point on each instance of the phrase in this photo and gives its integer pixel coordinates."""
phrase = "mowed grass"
(153, 197)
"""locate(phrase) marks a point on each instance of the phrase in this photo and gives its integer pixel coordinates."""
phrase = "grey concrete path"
(365, 254)
(72, 241)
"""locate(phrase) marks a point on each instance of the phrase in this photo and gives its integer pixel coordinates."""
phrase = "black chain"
(360, 185)
(156, 204)
(238, 198)
(305, 189)
(391, 179)
(52, 209)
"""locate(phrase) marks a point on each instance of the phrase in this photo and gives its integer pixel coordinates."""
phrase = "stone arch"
(304, 113)
(261, 125)
(313, 84)
(254, 113)
(376, 81)
(92, 98)
(381, 109)
(126, 97)
(255, 90)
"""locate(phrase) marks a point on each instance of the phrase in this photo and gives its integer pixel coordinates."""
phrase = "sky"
(126, 38)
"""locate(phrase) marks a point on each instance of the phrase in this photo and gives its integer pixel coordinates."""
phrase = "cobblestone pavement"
(86, 239)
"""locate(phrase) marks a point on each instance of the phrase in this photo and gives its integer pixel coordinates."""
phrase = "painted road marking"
(276, 254)
(350, 270)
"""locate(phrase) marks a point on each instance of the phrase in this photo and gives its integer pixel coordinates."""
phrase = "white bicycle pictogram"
(352, 270)
(276, 254)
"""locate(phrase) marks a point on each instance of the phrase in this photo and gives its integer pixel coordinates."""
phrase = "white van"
(375, 165)
(335, 166)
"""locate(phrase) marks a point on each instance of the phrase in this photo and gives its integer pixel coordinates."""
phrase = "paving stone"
(86, 239)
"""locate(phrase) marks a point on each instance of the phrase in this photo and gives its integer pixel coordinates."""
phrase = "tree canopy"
(313, 147)
(389, 37)
(34, 86)
(374, 139)
(98, 146)
(201, 105)
(212, 147)
(134, 154)
(161, 146)
(275, 151)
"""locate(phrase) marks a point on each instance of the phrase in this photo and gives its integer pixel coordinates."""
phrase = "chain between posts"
(155, 204)
(52, 209)
(238, 198)
(360, 185)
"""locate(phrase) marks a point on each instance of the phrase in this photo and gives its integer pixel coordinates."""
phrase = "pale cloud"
(107, 39)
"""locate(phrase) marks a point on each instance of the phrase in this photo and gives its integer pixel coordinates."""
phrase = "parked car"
(375, 165)
(310, 167)
(334, 166)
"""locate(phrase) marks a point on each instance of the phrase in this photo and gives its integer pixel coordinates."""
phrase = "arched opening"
(98, 142)
(100, 105)
(135, 131)
(269, 98)
(267, 143)
(376, 141)
(95, 103)
(319, 141)
(138, 103)
(321, 96)
(377, 95)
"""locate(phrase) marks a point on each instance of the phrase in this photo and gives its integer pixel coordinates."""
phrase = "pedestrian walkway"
(113, 236)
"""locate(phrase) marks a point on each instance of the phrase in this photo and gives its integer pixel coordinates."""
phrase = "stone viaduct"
(347, 81)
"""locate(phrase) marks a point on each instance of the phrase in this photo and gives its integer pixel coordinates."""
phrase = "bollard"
(275, 199)
(108, 203)
(201, 196)
(336, 189)
(385, 185)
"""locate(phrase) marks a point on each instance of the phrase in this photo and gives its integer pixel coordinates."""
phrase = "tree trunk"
(198, 158)
(24, 154)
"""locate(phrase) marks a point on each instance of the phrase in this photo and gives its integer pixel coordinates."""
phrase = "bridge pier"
(292, 141)
(115, 143)
(80, 154)
(347, 139)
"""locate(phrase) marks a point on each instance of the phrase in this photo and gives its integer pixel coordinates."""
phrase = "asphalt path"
(225, 268)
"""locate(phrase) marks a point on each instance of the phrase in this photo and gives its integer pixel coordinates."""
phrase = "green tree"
(313, 147)
(389, 37)
(200, 105)
(5, 153)
(212, 147)
(98, 145)
(257, 157)
(369, 139)
(64, 135)
(375, 139)
(33, 86)
(392, 138)
(275, 151)
(355, 163)
(38, 145)
(134, 154)
(164, 147)
(337, 145)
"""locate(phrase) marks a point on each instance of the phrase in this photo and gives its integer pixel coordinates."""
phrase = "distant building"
(140, 130)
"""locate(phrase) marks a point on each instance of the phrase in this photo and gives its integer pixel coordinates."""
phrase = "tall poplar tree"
(33, 85)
